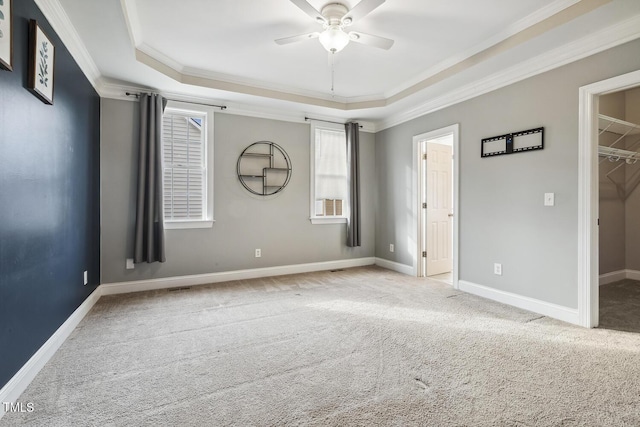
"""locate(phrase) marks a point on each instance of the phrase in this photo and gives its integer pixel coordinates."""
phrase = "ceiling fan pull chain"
(332, 73)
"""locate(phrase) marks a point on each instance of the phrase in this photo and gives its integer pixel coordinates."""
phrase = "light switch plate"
(130, 265)
(549, 199)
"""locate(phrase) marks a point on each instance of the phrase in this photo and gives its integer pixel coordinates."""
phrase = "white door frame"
(588, 199)
(417, 185)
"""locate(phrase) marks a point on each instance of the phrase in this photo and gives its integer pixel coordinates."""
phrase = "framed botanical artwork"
(6, 33)
(41, 63)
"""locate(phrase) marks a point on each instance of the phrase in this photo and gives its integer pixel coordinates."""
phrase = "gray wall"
(279, 225)
(501, 213)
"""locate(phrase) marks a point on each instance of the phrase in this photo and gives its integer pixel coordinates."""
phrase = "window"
(186, 167)
(329, 182)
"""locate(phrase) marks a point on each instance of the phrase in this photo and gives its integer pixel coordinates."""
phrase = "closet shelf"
(615, 154)
(621, 129)
(617, 126)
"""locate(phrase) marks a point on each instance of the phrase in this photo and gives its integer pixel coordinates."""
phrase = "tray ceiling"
(225, 49)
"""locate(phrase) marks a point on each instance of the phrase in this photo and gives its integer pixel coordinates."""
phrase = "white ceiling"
(224, 50)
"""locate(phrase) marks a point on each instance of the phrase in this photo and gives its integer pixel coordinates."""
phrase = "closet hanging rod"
(615, 154)
(328, 121)
(222, 107)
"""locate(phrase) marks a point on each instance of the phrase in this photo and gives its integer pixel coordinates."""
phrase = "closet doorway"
(437, 190)
(589, 158)
(619, 210)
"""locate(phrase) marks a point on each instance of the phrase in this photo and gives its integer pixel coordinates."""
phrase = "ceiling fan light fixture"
(334, 39)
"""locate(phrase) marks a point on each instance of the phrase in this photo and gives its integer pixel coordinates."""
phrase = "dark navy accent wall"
(49, 198)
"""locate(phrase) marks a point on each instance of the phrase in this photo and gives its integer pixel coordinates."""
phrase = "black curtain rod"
(222, 107)
(328, 121)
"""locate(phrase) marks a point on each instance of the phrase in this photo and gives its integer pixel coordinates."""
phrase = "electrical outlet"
(85, 277)
(258, 253)
(129, 264)
(391, 247)
(497, 269)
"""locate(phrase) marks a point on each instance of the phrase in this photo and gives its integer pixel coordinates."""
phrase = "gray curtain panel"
(353, 158)
(149, 230)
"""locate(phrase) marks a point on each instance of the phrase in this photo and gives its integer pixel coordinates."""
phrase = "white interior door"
(438, 233)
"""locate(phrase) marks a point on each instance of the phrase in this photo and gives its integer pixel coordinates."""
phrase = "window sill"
(328, 220)
(178, 225)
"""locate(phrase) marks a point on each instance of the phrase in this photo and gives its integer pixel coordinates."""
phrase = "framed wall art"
(41, 63)
(6, 34)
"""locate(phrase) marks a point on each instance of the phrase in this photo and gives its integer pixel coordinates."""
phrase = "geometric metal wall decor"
(264, 168)
(526, 140)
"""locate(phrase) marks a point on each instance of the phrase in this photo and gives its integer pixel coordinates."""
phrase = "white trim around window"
(330, 219)
(207, 114)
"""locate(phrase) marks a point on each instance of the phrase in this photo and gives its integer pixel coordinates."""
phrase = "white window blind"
(184, 166)
(330, 170)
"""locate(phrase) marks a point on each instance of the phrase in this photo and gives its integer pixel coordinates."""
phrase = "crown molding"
(518, 26)
(59, 20)
(168, 66)
(261, 85)
(227, 78)
(205, 79)
(166, 61)
(602, 40)
(116, 90)
(150, 56)
(564, 16)
(112, 90)
(607, 38)
(538, 22)
(130, 13)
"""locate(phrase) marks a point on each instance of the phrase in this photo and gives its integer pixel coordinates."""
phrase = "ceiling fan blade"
(368, 39)
(298, 38)
(309, 10)
(360, 10)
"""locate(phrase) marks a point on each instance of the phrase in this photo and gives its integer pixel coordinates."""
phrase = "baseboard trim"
(395, 266)
(632, 274)
(21, 380)
(614, 276)
(559, 312)
(203, 279)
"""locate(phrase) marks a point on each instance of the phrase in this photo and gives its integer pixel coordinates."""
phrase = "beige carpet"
(363, 346)
(620, 306)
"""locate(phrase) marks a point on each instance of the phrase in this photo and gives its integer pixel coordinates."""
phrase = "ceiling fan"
(335, 17)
